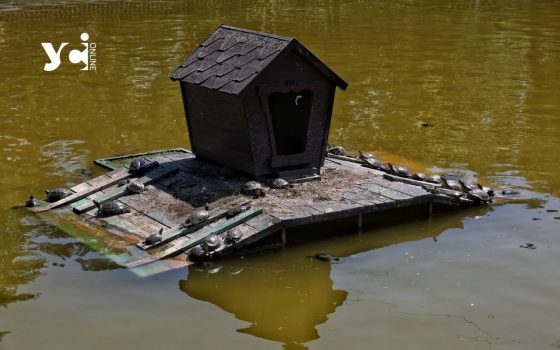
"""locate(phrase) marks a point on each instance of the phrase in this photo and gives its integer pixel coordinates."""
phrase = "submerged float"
(260, 173)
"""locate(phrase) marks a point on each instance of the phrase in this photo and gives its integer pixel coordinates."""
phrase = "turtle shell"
(153, 239)
(435, 179)
(234, 235)
(338, 150)
(253, 188)
(401, 171)
(279, 183)
(419, 177)
(388, 168)
(237, 210)
(196, 254)
(135, 187)
(364, 156)
(198, 216)
(137, 165)
(113, 207)
(32, 202)
(212, 242)
(57, 194)
(452, 184)
(479, 195)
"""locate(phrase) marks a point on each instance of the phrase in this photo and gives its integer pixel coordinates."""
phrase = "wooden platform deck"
(180, 183)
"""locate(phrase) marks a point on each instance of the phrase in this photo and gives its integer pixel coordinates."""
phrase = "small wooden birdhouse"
(258, 102)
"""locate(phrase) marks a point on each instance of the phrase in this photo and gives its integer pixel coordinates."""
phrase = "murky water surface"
(485, 74)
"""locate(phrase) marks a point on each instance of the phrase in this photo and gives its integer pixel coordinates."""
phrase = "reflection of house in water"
(283, 301)
(285, 296)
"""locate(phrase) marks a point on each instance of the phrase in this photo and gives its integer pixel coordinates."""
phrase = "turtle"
(419, 176)
(154, 238)
(135, 187)
(478, 195)
(487, 189)
(399, 170)
(211, 242)
(324, 257)
(196, 254)
(234, 235)
(137, 165)
(111, 208)
(57, 194)
(123, 182)
(468, 185)
(369, 160)
(253, 188)
(337, 150)
(452, 182)
(198, 216)
(435, 179)
(387, 167)
(237, 210)
(448, 192)
(32, 202)
(279, 183)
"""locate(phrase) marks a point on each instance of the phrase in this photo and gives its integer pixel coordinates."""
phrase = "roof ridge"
(273, 36)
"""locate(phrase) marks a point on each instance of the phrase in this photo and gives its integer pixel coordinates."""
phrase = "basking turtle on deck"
(57, 194)
(135, 187)
(196, 254)
(237, 210)
(452, 182)
(154, 238)
(337, 150)
(369, 160)
(253, 188)
(234, 235)
(478, 195)
(280, 183)
(212, 242)
(419, 177)
(399, 170)
(111, 208)
(435, 179)
(137, 165)
(198, 216)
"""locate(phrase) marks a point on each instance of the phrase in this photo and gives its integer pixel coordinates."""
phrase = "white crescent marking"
(298, 97)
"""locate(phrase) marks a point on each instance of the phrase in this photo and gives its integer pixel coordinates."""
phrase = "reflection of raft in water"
(348, 197)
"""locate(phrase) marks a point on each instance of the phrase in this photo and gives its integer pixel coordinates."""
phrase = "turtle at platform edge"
(324, 257)
(369, 160)
(57, 194)
(137, 165)
(337, 150)
(154, 238)
(111, 208)
(32, 202)
(253, 188)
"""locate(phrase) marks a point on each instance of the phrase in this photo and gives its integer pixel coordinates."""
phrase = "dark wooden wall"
(289, 67)
(218, 127)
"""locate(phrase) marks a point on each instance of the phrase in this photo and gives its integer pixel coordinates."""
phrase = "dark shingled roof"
(231, 57)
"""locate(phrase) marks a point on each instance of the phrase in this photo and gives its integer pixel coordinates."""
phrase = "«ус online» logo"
(86, 56)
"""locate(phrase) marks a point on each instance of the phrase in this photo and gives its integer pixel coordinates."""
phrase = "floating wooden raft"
(177, 183)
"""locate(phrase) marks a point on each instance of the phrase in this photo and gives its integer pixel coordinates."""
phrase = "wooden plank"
(370, 201)
(181, 230)
(335, 209)
(384, 191)
(149, 177)
(405, 180)
(95, 185)
(120, 223)
(407, 189)
(183, 243)
(344, 158)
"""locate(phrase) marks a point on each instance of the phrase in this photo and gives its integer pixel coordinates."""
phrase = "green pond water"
(485, 74)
